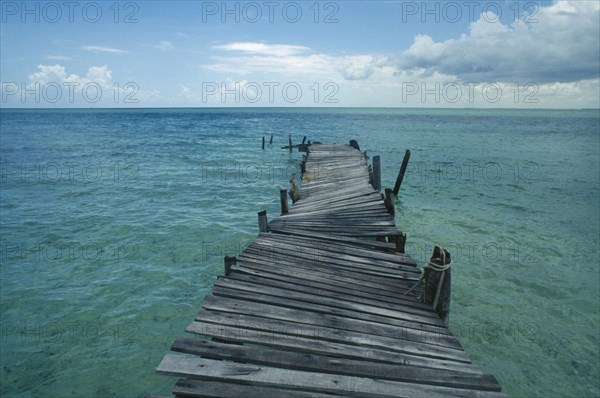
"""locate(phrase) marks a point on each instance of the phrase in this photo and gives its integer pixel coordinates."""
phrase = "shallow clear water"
(114, 224)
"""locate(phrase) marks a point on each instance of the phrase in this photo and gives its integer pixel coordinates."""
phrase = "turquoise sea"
(114, 224)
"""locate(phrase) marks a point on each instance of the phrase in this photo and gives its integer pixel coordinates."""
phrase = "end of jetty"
(324, 302)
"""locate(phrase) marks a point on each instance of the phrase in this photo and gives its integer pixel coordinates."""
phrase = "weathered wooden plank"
(363, 196)
(350, 219)
(338, 201)
(345, 278)
(332, 302)
(364, 243)
(314, 280)
(319, 363)
(345, 248)
(355, 233)
(324, 258)
(386, 262)
(320, 306)
(312, 261)
(311, 345)
(332, 191)
(215, 389)
(348, 222)
(175, 365)
(358, 208)
(374, 279)
(363, 232)
(426, 335)
(337, 294)
(380, 216)
(324, 333)
(400, 281)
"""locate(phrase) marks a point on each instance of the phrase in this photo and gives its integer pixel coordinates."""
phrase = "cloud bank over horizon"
(551, 60)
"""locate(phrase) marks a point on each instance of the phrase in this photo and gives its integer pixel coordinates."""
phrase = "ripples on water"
(114, 224)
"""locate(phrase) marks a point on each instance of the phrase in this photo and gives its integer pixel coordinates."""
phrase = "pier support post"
(401, 172)
(263, 142)
(294, 192)
(376, 173)
(271, 140)
(263, 224)
(389, 201)
(229, 262)
(283, 200)
(399, 241)
(303, 147)
(437, 279)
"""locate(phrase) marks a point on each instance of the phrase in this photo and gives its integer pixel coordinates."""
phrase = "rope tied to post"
(438, 268)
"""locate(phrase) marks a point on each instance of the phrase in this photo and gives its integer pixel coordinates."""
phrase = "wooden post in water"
(376, 173)
(263, 224)
(401, 172)
(399, 241)
(303, 164)
(229, 262)
(263, 142)
(283, 200)
(294, 192)
(271, 140)
(389, 201)
(290, 141)
(437, 279)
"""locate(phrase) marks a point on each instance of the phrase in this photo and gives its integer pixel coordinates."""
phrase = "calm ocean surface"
(114, 224)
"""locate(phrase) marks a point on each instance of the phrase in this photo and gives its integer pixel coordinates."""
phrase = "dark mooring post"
(399, 241)
(389, 201)
(263, 224)
(229, 262)
(294, 191)
(437, 279)
(376, 173)
(401, 172)
(271, 140)
(283, 200)
(263, 144)
(290, 141)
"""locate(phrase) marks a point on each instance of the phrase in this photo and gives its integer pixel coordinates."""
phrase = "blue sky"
(541, 54)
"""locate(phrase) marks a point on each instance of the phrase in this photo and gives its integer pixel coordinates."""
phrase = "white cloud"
(52, 85)
(58, 58)
(561, 46)
(357, 67)
(165, 46)
(58, 74)
(291, 61)
(278, 50)
(103, 49)
(100, 74)
(48, 73)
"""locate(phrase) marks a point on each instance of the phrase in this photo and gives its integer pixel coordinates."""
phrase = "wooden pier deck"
(316, 307)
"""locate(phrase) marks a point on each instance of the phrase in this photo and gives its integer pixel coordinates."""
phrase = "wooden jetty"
(324, 303)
